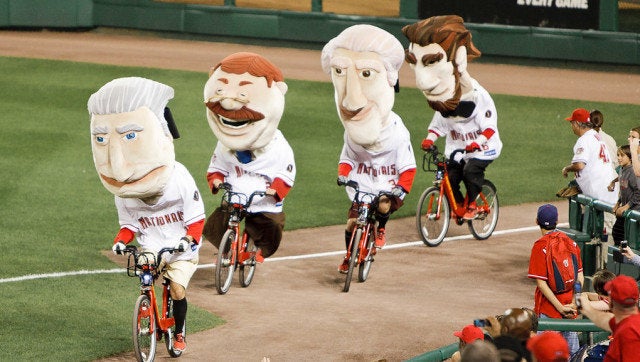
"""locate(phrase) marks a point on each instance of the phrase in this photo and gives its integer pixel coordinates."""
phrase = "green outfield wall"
(314, 28)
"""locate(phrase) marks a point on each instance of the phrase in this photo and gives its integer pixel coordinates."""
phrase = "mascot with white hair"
(364, 61)
(157, 200)
(439, 50)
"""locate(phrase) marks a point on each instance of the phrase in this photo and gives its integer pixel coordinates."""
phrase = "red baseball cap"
(469, 333)
(548, 347)
(580, 115)
(623, 290)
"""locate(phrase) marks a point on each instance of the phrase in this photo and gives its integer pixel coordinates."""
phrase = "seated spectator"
(599, 299)
(517, 323)
(466, 336)
(629, 196)
(623, 320)
(480, 351)
(548, 347)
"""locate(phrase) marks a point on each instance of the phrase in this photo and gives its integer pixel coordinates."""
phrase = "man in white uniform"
(244, 97)
(363, 62)
(591, 161)
(439, 50)
(157, 199)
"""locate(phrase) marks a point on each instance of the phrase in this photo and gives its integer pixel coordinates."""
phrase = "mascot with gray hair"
(363, 62)
(157, 200)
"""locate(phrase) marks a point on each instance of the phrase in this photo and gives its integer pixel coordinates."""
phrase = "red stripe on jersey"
(125, 235)
(195, 230)
(344, 169)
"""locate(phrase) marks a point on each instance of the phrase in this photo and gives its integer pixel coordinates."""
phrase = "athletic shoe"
(259, 257)
(344, 267)
(380, 238)
(179, 345)
(471, 213)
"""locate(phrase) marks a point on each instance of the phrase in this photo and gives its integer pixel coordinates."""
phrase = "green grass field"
(57, 216)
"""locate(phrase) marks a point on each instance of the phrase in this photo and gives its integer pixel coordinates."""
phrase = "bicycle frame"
(444, 183)
(365, 221)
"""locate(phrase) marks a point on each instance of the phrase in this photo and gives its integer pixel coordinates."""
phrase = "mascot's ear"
(282, 86)
(173, 129)
(461, 59)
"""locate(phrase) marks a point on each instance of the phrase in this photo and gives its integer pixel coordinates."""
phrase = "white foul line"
(281, 258)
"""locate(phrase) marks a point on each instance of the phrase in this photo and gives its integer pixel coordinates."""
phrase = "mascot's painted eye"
(101, 139)
(131, 136)
(339, 71)
(366, 73)
(219, 91)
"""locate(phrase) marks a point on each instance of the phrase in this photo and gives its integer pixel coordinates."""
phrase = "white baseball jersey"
(379, 170)
(462, 131)
(597, 173)
(164, 223)
(275, 160)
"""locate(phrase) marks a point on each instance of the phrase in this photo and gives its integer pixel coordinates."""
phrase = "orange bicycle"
(362, 245)
(437, 205)
(150, 322)
(233, 252)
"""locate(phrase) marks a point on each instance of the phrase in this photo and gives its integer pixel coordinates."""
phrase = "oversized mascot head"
(131, 142)
(439, 50)
(363, 61)
(245, 101)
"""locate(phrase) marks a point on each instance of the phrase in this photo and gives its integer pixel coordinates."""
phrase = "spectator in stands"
(623, 320)
(609, 219)
(480, 351)
(633, 257)
(634, 140)
(549, 304)
(592, 167)
(629, 193)
(516, 323)
(600, 300)
(466, 336)
(549, 347)
(511, 349)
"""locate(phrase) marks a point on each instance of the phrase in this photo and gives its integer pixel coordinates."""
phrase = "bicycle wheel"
(225, 264)
(247, 271)
(433, 221)
(488, 210)
(144, 329)
(353, 259)
(168, 335)
(365, 266)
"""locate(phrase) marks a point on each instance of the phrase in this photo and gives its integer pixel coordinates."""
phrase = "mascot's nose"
(354, 99)
(231, 104)
(118, 162)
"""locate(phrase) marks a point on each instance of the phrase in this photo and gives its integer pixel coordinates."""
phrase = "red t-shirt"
(538, 270)
(625, 345)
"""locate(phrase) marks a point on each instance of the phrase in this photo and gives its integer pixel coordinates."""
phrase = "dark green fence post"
(409, 9)
(608, 15)
(316, 6)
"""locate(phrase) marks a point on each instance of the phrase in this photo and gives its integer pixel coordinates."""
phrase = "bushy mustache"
(244, 113)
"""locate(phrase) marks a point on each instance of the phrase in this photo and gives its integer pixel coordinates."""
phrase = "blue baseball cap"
(547, 216)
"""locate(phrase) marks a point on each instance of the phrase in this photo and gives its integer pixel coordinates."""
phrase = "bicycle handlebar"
(356, 187)
(132, 249)
(432, 156)
(230, 194)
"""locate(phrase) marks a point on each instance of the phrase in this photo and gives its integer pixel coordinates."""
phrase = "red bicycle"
(437, 205)
(362, 245)
(150, 322)
(233, 252)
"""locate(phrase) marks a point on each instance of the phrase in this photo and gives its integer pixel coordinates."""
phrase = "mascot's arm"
(195, 230)
(125, 235)
(344, 169)
(405, 179)
(211, 177)
(281, 189)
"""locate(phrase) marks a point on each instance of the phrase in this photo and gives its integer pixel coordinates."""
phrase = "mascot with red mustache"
(244, 96)
(364, 61)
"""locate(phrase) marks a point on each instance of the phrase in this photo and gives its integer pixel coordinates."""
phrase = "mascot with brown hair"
(244, 97)
(439, 50)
